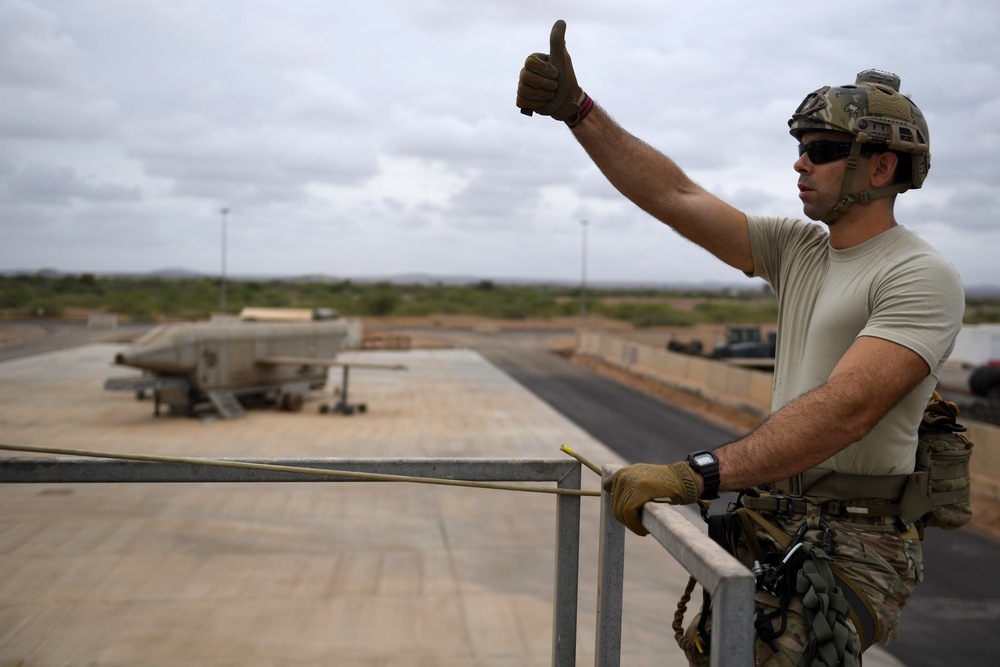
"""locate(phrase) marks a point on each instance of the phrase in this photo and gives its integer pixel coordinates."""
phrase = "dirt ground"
(15, 334)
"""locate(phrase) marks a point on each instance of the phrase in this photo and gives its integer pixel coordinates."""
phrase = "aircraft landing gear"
(342, 406)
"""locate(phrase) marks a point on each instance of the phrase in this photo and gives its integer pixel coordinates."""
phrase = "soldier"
(868, 313)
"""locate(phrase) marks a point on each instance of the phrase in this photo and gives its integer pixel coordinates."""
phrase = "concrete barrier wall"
(736, 387)
(750, 390)
(985, 459)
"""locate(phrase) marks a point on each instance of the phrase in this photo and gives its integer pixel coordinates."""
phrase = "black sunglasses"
(823, 151)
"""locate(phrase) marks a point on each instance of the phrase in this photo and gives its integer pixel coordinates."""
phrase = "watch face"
(704, 460)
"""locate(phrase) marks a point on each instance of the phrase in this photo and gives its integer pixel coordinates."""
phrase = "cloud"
(32, 51)
(381, 137)
(48, 185)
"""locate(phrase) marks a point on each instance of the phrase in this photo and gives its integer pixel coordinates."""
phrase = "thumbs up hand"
(547, 83)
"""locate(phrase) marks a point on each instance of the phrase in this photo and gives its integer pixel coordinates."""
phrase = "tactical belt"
(860, 496)
(828, 484)
(784, 505)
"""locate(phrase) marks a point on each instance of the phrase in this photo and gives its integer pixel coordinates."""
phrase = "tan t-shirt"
(894, 286)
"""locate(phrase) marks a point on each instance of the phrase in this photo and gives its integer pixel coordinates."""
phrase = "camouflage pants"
(885, 565)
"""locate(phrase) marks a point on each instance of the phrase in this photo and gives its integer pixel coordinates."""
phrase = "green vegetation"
(165, 299)
(982, 311)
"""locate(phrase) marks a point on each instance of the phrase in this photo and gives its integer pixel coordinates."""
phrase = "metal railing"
(730, 583)
(565, 472)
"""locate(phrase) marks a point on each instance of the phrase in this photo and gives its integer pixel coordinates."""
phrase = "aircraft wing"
(145, 382)
(310, 361)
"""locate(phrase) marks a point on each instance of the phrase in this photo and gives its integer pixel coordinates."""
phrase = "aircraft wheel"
(291, 402)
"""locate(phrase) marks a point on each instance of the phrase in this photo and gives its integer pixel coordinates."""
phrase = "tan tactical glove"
(547, 83)
(635, 485)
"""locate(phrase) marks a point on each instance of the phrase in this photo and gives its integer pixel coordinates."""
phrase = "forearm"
(801, 435)
(643, 174)
(658, 186)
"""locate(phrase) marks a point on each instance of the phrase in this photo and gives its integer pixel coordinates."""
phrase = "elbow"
(856, 431)
(858, 423)
(851, 419)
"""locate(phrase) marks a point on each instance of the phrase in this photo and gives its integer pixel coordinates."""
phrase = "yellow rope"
(686, 645)
(346, 474)
(582, 459)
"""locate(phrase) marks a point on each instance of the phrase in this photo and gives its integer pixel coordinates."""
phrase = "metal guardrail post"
(567, 573)
(729, 582)
(610, 580)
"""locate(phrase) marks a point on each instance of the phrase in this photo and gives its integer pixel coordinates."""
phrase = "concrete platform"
(303, 574)
(300, 574)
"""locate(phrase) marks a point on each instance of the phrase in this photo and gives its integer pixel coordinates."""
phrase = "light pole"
(225, 213)
(583, 279)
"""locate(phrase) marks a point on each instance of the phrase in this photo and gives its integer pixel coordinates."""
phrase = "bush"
(714, 312)
(43, 308)
(642, 314)
(379, 303)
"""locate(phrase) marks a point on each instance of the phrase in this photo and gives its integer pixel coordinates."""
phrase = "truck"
(978, 346)
(744, 341)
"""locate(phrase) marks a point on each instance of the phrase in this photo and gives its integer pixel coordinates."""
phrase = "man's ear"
(883, 169)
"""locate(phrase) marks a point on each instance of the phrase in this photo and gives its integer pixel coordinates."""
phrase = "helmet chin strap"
(847, 197)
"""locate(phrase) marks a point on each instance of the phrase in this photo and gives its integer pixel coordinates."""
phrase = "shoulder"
(785, 231)
(917, 298)
(913, 257)
(779, 244)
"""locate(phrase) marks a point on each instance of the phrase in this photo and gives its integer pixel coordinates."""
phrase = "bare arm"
(658, 186)
(868, 381)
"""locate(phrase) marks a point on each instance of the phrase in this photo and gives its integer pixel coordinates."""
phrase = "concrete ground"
(300, 574)
(303, 574)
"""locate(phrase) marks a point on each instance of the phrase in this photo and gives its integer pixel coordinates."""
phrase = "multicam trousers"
(885, 565)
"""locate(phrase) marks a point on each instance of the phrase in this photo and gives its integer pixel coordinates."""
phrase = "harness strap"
(862, 613)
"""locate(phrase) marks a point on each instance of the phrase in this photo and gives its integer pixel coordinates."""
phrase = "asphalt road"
(953, 618)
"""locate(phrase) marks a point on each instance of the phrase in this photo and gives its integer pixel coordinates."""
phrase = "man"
(867, 315)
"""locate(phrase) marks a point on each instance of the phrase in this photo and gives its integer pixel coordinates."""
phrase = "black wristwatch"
(706, 464)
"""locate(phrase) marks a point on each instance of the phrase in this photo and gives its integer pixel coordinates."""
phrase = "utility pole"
(225, 213)
(583, 280)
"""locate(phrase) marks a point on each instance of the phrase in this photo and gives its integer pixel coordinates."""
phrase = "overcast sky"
(377, 138)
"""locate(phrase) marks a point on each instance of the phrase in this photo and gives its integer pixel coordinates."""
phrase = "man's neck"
(861, 223)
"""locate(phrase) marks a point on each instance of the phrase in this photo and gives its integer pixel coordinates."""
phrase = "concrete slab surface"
(260, 574)
(298, 574)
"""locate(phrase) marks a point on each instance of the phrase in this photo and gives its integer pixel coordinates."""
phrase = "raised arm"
(658, 186)
(548, 86)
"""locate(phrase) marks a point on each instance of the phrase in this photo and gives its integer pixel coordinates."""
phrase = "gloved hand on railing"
(635, 485)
